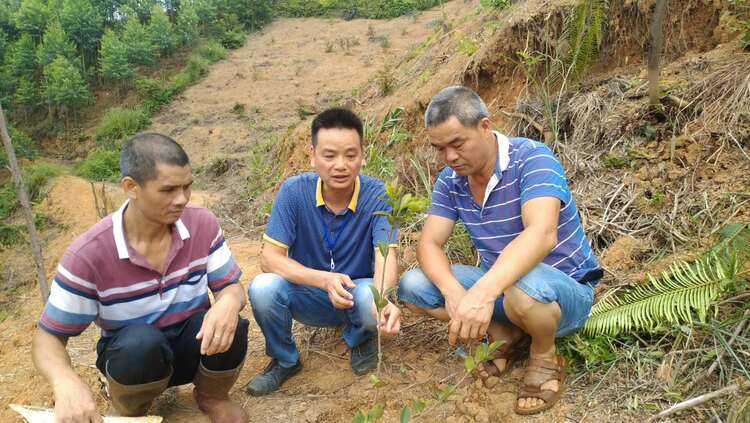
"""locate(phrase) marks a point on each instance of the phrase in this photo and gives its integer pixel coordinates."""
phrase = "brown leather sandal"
(539, 372)
(512, 353)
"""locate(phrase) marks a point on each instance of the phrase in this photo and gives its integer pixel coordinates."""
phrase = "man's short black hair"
(141, 153)
(338, 118)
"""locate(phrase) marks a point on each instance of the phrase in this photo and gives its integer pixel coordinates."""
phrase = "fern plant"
(584, 32)
(675, 297)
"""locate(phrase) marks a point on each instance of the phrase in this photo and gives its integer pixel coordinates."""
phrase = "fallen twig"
(527, 118)
(695, 401)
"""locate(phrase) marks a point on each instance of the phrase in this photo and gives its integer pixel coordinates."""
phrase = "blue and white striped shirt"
(524, 170)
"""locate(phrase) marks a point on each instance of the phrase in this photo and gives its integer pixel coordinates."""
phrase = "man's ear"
(130, 187)
(485, 125)
(311, 151)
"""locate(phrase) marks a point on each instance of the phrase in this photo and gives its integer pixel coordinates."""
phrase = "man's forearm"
(234, 293)
(50, 357)
(436, 266)
(292, 270)
(521, 255)
(391, 269)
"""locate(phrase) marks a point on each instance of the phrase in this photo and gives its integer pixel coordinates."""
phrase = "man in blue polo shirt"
(537, 271)
(320, 254)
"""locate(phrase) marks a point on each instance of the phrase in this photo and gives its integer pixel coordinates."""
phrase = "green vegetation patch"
(349, 9)
(100, 165)
(35, 176)
(120, 123)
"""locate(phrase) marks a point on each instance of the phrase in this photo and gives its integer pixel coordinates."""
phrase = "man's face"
(163, 198)
(338, 157)
(465, 149)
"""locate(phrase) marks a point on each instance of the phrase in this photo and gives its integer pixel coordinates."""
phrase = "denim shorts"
(543, 283)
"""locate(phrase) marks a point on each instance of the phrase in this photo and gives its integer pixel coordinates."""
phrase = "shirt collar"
(352, 203)
(118, 229)
(503, 152)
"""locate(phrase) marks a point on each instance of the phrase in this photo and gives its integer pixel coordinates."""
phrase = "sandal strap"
(545, 395)
(540, 371)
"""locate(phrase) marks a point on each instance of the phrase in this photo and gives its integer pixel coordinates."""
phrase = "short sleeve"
(221, 267)
(542, 175)
(443, 203)
(73, 302)
(281, 228)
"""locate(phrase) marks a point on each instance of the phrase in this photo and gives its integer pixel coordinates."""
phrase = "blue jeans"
(276, 301)
(543, 283)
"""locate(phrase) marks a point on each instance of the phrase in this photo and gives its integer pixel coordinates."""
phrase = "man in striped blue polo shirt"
(537, 271)
(320, 254)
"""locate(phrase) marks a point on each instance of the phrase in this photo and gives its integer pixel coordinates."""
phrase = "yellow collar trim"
(352, 203)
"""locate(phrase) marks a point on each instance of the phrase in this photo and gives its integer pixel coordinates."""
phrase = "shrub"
(34, 177)
(120, 123)
(24, 146)
(11, 234)
(100, 165)
(495, 4)
(155, 93)
(211, 50)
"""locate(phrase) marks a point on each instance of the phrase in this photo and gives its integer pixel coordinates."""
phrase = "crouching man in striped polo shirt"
(536, 275)
(143, 274)
(319, 253)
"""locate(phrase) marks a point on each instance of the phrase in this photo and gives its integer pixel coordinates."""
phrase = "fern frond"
(584, 33)
(677, 296)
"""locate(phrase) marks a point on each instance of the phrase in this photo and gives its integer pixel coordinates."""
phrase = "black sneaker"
(364, 356)
(271, 378)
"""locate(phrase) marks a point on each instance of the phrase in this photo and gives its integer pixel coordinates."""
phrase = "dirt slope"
(294, 68)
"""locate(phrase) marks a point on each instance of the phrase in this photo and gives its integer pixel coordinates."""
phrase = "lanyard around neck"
(332, 241)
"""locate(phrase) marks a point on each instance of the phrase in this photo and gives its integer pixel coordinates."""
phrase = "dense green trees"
(54, 53)
(161, 32)
(64, 88)
(54, 43)
(114, 64)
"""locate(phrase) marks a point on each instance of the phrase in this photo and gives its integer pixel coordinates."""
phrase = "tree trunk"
(654, 54)
(23, 198)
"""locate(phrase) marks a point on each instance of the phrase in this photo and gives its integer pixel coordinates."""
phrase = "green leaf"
(384, 248)
(359, 417)
(376, 412)
(405, 414)
(494, 346)
(470, 364)
(686, 291)
(376, 381)
(378, 299)
(418, 406)
(446, 392)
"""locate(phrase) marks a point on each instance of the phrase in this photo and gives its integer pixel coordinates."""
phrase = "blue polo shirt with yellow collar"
(300, 219)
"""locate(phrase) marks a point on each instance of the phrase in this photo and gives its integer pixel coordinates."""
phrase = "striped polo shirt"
(524, 170)
(101, 279)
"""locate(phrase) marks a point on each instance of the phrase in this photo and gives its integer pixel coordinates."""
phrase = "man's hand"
(219, 323)
(453, 299)
(389, 321)
(334, 284)
(74, 402)
(472, 316)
